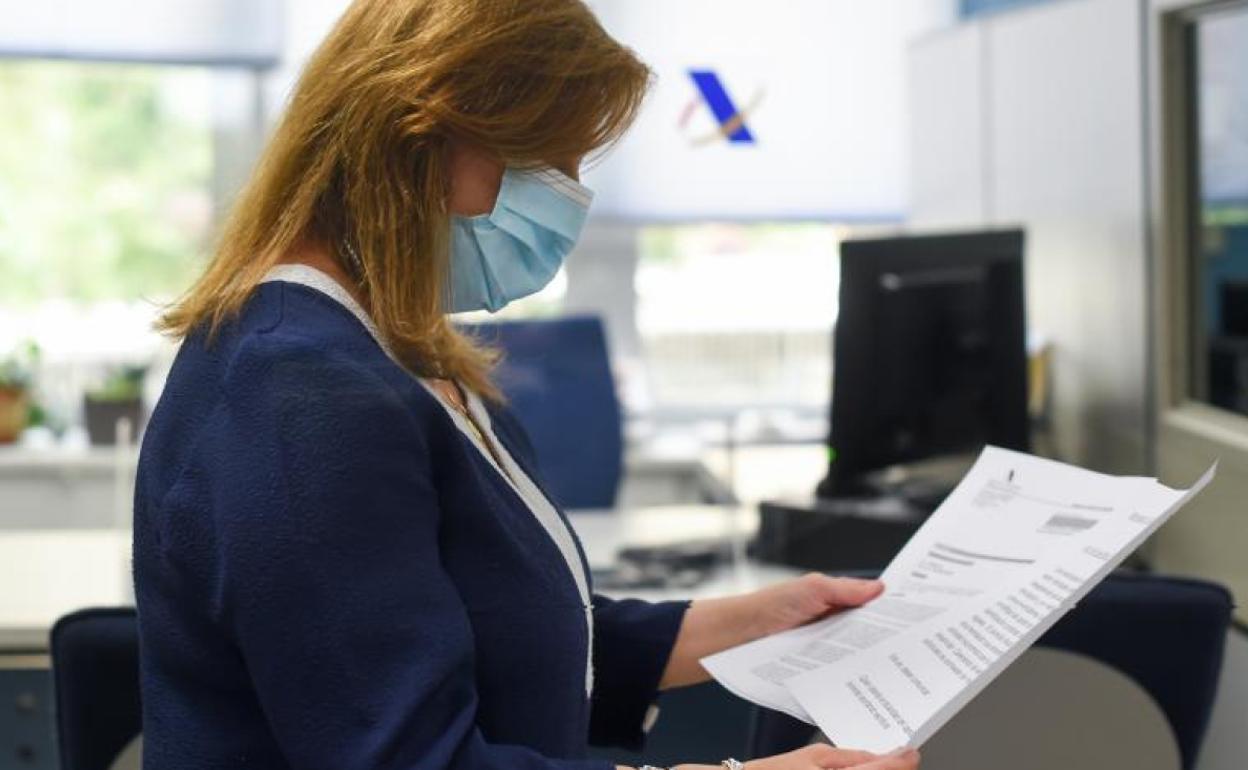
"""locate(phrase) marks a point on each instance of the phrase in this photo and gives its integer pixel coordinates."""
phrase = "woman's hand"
(821, 756)
(713, 625)
(813, 596)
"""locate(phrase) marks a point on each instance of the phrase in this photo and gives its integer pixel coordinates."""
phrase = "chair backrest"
(1165, 634)
(556, 374)
(95, 673)
(1054, 708)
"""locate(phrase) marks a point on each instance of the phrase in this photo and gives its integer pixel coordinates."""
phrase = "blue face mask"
(516, 249)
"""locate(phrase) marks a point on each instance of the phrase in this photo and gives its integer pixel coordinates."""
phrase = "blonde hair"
(361, 155)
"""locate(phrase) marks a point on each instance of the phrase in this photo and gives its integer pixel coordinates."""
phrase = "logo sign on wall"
(731, 120)
(795, 110)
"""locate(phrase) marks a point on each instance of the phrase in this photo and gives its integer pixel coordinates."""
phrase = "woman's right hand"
(821, 756)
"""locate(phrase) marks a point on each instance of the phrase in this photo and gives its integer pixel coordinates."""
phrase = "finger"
(845, 592)
(827, 756)
(906, 759)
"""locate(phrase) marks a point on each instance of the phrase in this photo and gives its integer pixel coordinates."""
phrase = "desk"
(68, 488)
(45, 574)
(603, 533)
(84, 488)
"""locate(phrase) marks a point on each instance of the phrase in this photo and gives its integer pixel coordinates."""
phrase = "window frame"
(1180, 337)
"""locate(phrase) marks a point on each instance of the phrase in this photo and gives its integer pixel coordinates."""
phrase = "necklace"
(463, 410)
(459, 406)
(457, 401)
(477, 431)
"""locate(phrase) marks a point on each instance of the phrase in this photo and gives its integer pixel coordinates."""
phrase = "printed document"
(1014, 547)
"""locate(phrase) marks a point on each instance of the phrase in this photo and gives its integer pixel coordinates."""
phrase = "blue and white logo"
(730, 120)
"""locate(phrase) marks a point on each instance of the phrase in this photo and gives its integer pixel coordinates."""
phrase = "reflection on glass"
(1220, 279)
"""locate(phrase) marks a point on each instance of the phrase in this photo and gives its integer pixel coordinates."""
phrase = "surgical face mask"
(516, 249)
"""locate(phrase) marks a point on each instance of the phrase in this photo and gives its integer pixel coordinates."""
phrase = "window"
(1219, 99)
(105, 177)
(106, 206)
(709, 324)
(734, 316)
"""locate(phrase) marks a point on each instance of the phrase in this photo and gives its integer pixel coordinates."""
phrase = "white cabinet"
(947, 165)
(1035, 118)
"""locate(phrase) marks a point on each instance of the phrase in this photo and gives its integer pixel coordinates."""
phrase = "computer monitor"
(930, 353)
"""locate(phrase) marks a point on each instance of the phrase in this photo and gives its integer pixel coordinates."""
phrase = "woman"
(343, 557)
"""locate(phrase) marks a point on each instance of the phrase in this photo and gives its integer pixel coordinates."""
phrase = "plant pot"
(14, 411)
(102, 416)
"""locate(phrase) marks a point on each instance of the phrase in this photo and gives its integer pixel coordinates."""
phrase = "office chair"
(1165, 634)
(95, 672)
(556, 375)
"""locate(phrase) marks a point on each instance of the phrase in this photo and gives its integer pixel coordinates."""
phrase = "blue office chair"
(95, 672)
(1166, 634)
(556, 375)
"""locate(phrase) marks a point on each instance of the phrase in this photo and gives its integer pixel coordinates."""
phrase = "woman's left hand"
(713, 625)
(799, 601)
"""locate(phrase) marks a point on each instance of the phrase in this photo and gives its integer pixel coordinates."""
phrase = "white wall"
(307, 23)
(831, 124)
(822, 81)
(947, 130)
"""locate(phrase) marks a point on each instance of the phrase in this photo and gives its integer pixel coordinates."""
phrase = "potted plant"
(16, 376)
(120, 397)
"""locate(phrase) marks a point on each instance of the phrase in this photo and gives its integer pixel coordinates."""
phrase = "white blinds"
(210, 32)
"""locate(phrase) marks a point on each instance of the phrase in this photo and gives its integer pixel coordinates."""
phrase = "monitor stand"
(922, 483)
(859, 524)
(925, 494)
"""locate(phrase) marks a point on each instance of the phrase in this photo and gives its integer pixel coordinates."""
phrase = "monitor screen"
(935, 385)
(930, 351)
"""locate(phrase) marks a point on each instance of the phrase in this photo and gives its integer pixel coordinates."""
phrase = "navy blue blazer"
(329, 575)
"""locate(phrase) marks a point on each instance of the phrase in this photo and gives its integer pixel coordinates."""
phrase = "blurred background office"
(1077, 168)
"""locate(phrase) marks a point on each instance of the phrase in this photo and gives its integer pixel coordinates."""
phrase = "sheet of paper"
(1018, 542)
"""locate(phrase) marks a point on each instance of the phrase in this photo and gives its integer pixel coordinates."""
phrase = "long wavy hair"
(361, 155)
